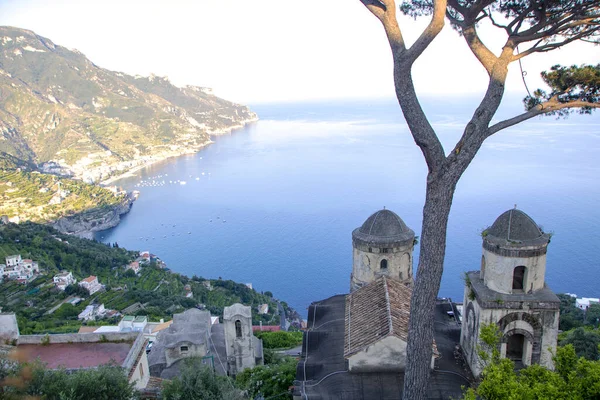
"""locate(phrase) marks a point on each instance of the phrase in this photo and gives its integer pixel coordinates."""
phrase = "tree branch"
(544, 108)
(480, 50)
(536, 48)
(385, 11)
(433, 29)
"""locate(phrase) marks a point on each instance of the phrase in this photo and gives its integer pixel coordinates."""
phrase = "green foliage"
(269, 380)
(574, 83)
(104, 382)
(570, 316)
(28, 195)
(161, 292)
(197, 381)
(585, 342)
(279, 339)
(573, 378)
(489, 348)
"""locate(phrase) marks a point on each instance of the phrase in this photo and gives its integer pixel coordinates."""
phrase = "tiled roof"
(89, 279)
(375, 311)
(87, 329)
(162, 326)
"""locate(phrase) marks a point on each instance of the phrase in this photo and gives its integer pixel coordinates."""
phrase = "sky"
(256, 51)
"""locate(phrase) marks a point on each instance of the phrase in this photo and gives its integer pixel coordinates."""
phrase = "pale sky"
(253, 51)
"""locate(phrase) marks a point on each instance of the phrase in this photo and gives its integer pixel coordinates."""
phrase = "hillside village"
(348, 338)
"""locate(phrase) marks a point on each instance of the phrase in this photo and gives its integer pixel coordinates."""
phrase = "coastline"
(131, 172)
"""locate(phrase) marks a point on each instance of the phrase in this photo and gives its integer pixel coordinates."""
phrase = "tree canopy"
(530, 27)
(574, 376)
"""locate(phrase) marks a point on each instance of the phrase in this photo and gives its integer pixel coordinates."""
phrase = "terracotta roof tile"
(375, 311)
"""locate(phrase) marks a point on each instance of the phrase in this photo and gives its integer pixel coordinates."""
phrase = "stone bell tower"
(509, 290)
(382, 246)
(244, 350)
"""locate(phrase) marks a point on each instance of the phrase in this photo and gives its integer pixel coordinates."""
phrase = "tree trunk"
(438, 200)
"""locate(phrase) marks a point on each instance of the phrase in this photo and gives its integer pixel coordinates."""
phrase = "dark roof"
(375, 311)
(384, 227)
(515, 229)
(322, 372)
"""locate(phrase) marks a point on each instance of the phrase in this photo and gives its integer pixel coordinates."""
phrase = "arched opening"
(519, 278)
(238, 329)
(383, 264)
(514, 347)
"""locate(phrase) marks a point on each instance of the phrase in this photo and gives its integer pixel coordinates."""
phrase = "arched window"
(383, 264)
(238, 329)
(519, 278)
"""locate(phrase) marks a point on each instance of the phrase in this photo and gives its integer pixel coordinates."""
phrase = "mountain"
(66, 114)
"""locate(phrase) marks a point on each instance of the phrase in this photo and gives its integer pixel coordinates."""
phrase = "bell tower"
(382, 246)
(510, 291)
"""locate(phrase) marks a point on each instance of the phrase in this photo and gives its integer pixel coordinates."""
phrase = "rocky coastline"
(85, 224)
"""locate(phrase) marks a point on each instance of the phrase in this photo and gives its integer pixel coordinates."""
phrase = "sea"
(274, 204)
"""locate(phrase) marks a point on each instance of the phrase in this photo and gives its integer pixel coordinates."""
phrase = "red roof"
(75, 355)
(89, 279)
(266, 328)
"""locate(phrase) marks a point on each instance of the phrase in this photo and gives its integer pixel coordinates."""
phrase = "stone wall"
(498, 272)
(367, 264)
(79, 337)
(9, 329)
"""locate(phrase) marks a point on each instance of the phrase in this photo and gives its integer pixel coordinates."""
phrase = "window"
(383, 264)
(183, 349)
(238, 329)
(384, 250)
(141, 370)
(519, 278)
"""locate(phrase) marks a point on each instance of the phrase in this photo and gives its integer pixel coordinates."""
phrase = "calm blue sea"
(275, 203)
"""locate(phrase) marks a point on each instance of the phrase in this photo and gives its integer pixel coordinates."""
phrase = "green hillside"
(160, 292)
(37, 197)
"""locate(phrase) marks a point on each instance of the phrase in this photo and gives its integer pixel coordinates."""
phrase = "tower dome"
(515, 233)
(382, 246)
(514, 254)
(384, 227)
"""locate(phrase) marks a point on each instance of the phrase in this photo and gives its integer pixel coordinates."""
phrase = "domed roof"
(516, 229)
(384, 227)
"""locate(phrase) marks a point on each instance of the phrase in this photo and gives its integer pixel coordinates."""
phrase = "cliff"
(63, 112)
(98, 219)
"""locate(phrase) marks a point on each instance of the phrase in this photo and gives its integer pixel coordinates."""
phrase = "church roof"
(514, 228)
(384, 227)
(375, 311)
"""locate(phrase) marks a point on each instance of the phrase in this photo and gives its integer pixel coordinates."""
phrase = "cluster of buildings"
(21, 270)
(355, 344)
(147, 351)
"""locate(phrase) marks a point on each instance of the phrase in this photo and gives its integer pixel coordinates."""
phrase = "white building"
(584, 302)
(91, 284)
(63, 279)
(91, 312)
(12, 261)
